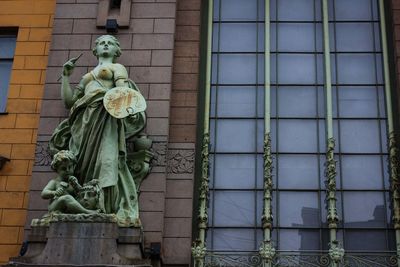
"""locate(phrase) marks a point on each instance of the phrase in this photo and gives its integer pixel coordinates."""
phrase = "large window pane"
(302, 239)
(296, 101)
(352, 37)
(356, 69)
(297, 136)
(298, 171)
(299, 209)
(296, 37)
(238, 9)
(234, 239)
(358, 101)
(364, 209)
(230, 40)
(359, 136)
(234, 101)
(236, 136)
(5, 71)
(237, 69)
(7, 47)
(362, 172)
(234, 208)
(368, 240)
(296, 69)
(235, 171)
(353, 10)
(296, 10)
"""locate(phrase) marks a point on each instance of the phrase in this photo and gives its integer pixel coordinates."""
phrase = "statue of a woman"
(97, 139)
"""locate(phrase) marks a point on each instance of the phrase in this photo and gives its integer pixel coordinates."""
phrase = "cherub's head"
(107, 46)
(89, 195)
(63, 163)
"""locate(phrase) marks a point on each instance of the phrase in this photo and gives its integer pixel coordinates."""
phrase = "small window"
(8, 38)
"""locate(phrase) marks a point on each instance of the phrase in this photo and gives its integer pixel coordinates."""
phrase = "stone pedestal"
(83, 244)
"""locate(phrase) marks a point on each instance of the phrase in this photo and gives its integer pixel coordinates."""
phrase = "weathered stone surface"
(83, 244)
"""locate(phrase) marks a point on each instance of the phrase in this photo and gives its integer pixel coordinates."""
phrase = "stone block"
(23, 151)
(135, 58)
(152, 221)
(155, 126)
(153, 41)
(153, 10)
(8, 121)
(177, 251)
(179, 189)
(182, 133)
(151, 201)
(157, 109)
(178, 227)
(18, 183)
(183, 115)
(27, 121)
(161, 57)
(30, 48)
(142, 25)
(154, 182)
(187, 33)
(66, 42)
(151, 74)
(16, 167)
(187, 17)
(9, 200)
(164, 25)
(186, 65)
(184, 99)
(10, 136)
(13, 217)
(76, 11)
(181, 208)
(189, 5)
(63, 26)
(159, 91)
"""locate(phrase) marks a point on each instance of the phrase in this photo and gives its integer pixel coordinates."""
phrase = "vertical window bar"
(267, 250)
(199, 248)
(336, 252)
(393, 150)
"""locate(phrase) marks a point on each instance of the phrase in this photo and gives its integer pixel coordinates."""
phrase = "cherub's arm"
(49, 190)
(73, 181)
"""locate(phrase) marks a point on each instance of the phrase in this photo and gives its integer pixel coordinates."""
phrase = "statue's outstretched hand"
(69, 66)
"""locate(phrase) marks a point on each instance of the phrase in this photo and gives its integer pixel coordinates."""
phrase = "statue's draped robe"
(98, 141)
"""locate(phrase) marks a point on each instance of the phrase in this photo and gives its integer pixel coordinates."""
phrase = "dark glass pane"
(239, 10)
(362, 172)
(234, 239)
(353, 10)
(359, 136)
(298, 172)
(238, 37)
(364, 209)
(296, 101)
(301, 239)
(296, 37)
(354, 37)
(299, 209)
(7, 47)
(356, 101)
(296, 69)
(296, 10)
(356, 69)
(5, 71)
(237, 69)
(235, 101)
(236, 135)
(235, 171)
(297, 136)
(234, 208)
(369, 240)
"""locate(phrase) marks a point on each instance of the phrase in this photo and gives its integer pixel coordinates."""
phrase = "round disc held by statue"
(121, 102)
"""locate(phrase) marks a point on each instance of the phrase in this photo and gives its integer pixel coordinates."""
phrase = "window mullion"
(336, 252)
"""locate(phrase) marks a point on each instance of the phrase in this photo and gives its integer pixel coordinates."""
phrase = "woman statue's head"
(107, 46)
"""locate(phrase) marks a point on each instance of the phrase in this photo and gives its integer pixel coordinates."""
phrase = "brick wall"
(18, 129)
(182, 135)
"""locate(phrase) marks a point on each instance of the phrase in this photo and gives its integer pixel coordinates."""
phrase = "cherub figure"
(62, 189)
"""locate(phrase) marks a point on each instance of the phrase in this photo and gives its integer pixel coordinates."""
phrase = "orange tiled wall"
(18, 129)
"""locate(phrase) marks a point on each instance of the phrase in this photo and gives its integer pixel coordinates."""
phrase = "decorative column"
(392, 142)
(267, 250)
(336, 252)
(199, 246)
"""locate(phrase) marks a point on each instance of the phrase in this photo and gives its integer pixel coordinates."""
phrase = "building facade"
(254, 110)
